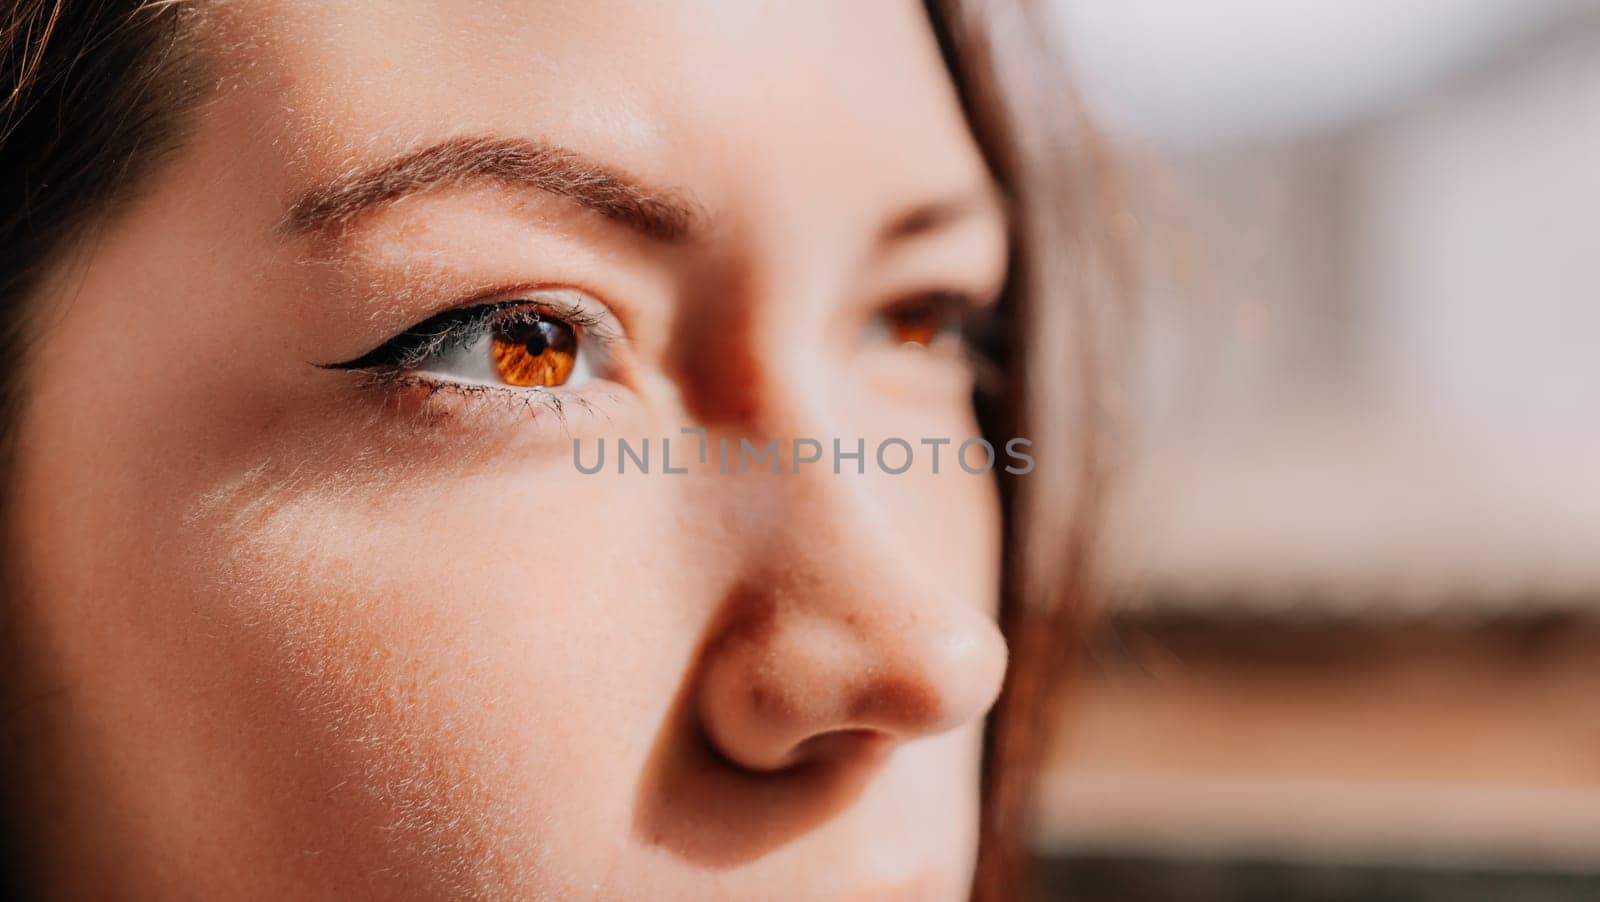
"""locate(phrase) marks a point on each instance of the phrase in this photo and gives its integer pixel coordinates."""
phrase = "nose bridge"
(836, 638)
(744, 353)
(835, 641)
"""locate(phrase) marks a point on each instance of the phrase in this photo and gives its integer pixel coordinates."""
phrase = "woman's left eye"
(927, 321)
(545, 340)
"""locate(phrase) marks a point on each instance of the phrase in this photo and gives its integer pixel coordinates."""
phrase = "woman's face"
(369, 630)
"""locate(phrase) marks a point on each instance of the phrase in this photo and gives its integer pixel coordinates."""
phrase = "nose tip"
(977, 661)
(810, 685)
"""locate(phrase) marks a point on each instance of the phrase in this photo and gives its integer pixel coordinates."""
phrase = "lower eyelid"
(433, 402)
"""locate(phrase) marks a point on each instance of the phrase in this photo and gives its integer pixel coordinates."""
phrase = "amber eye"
(536, 352)
(919, 322)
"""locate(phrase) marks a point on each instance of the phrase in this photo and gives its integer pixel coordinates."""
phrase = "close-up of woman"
(538, 449)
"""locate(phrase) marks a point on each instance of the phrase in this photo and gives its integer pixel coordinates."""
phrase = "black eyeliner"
(463, 325)
(425, 339)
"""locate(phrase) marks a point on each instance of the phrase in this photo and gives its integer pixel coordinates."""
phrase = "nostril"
(841, 745)
(835, 746)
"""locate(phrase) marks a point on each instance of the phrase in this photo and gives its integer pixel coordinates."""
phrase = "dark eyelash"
(454, 329)
(985, 330)
(979, 322)
(981, 325)
(976, 321)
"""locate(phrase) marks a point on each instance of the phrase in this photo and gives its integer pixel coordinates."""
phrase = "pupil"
(536, 341)
(541, 335)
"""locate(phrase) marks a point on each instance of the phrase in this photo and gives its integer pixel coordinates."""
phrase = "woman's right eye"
(542, 340)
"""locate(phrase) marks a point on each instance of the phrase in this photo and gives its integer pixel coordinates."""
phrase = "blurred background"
(1352, 648)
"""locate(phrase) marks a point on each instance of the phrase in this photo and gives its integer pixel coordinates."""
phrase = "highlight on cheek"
(541, 352)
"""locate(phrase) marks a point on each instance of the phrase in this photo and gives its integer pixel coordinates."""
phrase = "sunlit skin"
(303, 630)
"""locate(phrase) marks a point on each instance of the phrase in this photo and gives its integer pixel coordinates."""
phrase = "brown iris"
(917, 322)
(535, 352)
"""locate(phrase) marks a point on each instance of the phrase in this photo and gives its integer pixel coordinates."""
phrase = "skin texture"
(293, 634)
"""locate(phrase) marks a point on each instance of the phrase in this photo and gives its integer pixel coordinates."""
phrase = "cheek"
(454, 667)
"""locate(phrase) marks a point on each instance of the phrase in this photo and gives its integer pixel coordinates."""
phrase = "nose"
(841, 647)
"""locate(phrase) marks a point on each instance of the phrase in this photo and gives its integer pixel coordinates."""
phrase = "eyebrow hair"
(930, 217)
(656, 213)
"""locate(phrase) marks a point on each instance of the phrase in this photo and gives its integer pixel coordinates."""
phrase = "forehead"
(717, 96)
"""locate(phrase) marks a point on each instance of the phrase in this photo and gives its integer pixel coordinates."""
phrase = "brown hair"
(91, 97)
(93, 93)
(1068, 275)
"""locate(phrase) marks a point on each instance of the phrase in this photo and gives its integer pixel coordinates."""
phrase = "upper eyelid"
(601, 322)
(473, 317)
(962, 305)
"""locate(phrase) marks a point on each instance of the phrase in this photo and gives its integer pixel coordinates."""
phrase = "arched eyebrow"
(975, 203)
(655, 213)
